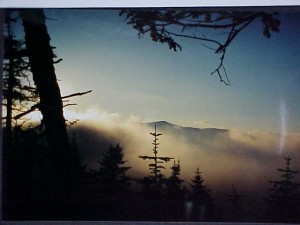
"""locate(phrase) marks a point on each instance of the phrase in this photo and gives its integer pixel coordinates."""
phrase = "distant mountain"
(191, 132)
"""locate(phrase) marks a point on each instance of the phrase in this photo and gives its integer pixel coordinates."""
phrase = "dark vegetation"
(43, 178)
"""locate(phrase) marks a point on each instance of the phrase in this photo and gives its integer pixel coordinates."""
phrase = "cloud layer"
(225, 157)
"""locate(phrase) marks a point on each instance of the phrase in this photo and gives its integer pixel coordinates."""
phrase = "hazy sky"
(138, 79)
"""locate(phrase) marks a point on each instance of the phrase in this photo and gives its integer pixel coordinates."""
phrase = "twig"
(76, 94)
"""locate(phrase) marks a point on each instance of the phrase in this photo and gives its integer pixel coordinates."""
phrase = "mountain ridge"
(193, 133)
(163, 123)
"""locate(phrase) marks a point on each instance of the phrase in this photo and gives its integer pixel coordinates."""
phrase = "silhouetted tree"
(175, 195)
(174, 188)
(41, 56)
(111, 188)
(112, 172)
(18, 92)
(168, 25)
(156, 180)
(235, 211)
(284, 196)
(51, 170)
(201, 198)
(18, 95)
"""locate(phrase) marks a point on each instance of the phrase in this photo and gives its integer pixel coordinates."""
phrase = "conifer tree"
(18, 92)
(201, 198)
(156, 179)
(18, 96)
(284, 196)
(175, 194)
(112, 172)
(174, 188)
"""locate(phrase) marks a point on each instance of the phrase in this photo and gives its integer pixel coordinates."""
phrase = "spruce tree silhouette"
(284, 196)
(201, 198)
(174, 188)
(175, 194)
(153, 186)
(112, 196)
(112, 172)
(154, 183)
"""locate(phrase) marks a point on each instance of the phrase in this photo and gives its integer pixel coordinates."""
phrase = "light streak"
(283, 125)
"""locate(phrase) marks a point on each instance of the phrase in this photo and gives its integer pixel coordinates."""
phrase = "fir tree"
(284, 196)
(174, 189)
(201, 198)
(175, 194)
(156, 179)
(112, 173)
(18, 96)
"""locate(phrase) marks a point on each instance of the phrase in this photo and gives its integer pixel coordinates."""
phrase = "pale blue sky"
(137, 77)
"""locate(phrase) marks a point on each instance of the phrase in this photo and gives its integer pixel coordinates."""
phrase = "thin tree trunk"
(9, 99)
(7, 145)
(3, 169)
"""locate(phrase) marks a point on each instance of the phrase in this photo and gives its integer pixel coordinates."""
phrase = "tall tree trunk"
(41, 60)
(62, 171)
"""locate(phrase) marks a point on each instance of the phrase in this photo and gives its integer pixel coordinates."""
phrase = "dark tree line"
(31, 165)
(284, 195)
(155, 197)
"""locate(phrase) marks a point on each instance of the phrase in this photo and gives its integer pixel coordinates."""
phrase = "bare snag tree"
(41, 56)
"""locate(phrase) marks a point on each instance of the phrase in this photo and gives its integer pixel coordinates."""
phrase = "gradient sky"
(137, 78)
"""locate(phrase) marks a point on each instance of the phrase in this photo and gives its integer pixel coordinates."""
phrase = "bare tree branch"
(165, 25)
(76, 94)
(36, 106)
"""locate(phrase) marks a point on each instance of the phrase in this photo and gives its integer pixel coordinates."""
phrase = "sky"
(138, 79)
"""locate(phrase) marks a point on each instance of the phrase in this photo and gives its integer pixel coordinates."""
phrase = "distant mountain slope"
(226, 157)
(190, 132)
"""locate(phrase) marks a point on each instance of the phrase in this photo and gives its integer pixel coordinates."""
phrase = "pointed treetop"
(155, 134)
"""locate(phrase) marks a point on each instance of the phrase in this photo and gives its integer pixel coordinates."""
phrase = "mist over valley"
(225, 157)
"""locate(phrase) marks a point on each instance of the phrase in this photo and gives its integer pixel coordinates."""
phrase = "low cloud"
(202, 124)
(225, 157)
